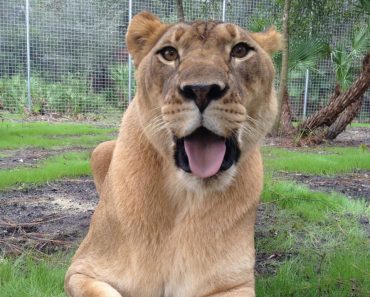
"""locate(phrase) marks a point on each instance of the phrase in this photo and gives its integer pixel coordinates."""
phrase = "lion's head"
(205, 92)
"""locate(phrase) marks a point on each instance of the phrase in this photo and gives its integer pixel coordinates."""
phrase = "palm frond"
(364, 6)
(342, 65)
(307, 53)
(360, 41)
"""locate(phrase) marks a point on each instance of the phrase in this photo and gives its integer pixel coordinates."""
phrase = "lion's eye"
(169, 53)
(240, 50)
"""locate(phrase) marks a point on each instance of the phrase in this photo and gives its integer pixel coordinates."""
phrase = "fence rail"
(69, 56)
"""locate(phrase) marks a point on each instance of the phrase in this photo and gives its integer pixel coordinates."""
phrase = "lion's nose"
(203, 94)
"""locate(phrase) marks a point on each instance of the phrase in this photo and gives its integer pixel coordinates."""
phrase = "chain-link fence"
(70, 57)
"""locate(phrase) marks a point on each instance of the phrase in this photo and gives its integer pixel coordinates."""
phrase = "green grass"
(17, 135)
(45, 135)
(25, 277)
(367, 125)
(330, 249)
(322, 161)
(65, 165)
(341, 273)
(300, 199)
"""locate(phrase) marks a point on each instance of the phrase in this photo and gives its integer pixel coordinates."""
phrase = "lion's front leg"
(80, 285)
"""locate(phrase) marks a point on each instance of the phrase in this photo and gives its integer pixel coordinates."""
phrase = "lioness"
(180, 186)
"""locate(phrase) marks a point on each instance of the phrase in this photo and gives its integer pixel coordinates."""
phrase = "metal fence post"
(129, 56)
(28, 56)
(305, 94)
(223, 10)
(305, 98)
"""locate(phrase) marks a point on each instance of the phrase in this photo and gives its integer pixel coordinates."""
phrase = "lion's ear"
(143, 32)
(270, 40)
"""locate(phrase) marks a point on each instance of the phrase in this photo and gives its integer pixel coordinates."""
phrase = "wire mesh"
(79, 62)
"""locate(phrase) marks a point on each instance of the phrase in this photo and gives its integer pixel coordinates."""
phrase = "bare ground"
(10, 159)
(46, 218)
(353, 186)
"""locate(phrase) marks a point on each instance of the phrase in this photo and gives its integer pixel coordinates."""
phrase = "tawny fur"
(158, 231)
(100, 161)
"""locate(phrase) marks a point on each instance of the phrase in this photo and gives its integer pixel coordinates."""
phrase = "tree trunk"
(284, 67)
(335, 94)
(337, 104)
(345, 118)
(286, 126)
(180, 11)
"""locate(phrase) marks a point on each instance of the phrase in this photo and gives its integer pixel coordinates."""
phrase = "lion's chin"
(204, 155)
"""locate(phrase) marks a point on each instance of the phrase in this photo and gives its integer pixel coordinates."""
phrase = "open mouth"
(204, 154)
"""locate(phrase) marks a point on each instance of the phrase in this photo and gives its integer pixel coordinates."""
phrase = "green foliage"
(258, 24)
(364, 6)
(119, 74)
(345, 58)
(306, 54)
(342, 66)
(13, 93)
(73, 44)
(70, 95)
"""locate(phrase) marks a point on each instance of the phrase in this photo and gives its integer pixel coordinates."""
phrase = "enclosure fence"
(70, 56)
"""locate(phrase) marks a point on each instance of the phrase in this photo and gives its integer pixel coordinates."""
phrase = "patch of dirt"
(30, 157)
(353, 186)
(267, 263)
(352, 136)
(46, 218)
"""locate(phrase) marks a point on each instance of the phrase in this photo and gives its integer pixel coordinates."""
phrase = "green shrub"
(13, 93)
(70, 95)
(119, 74)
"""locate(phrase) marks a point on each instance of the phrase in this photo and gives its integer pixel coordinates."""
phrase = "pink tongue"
(205, 154)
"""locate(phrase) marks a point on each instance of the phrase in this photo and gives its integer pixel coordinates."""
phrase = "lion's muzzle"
(205, 154)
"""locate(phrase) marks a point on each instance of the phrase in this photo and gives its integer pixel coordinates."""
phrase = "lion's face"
(205, 92)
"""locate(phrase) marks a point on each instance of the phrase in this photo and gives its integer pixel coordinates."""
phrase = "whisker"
(154, 126)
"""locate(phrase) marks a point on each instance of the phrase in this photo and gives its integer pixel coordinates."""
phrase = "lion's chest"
(168, 268)
(187, 265)
(179, 264)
